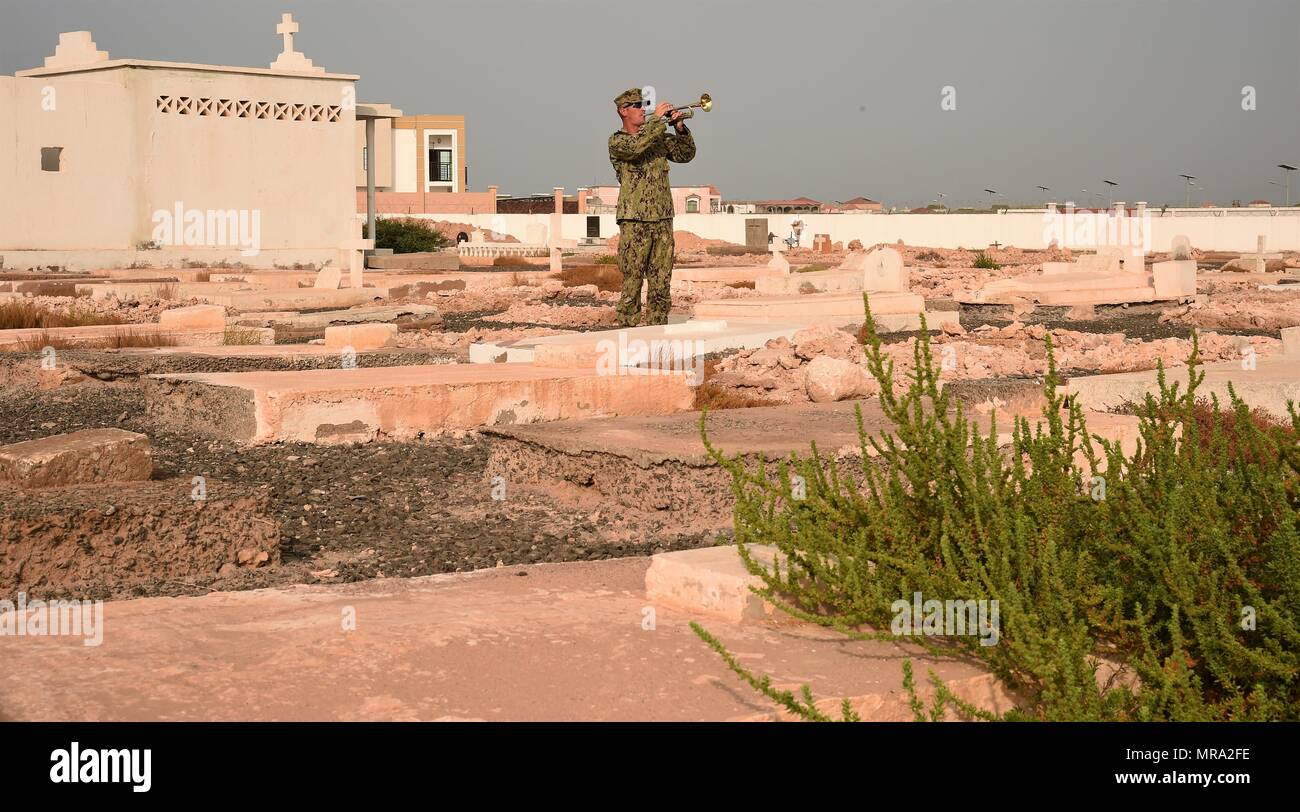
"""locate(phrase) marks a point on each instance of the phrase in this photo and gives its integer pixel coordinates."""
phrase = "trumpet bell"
(706, 102)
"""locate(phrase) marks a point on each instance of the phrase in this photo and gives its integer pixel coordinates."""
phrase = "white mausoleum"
(108, 162)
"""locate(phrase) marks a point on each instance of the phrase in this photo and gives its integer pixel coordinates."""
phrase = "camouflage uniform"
(645, 212)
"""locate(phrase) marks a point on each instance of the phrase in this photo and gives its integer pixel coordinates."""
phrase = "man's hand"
(666, 110)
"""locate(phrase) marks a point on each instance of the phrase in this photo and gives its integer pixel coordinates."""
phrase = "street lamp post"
(1288, 169)
(1189, 178)
(1112, 184)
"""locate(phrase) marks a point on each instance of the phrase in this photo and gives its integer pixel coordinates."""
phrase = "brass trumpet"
(705, 103)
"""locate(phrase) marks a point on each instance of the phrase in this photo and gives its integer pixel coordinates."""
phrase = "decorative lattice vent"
(243, 108)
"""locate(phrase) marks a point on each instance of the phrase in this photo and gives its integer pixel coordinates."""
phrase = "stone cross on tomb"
(286, 29)
(289, 59)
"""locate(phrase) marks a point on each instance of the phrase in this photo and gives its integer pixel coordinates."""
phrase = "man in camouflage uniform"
(640, 153)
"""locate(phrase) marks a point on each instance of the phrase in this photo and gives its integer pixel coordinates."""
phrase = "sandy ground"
(552, 642)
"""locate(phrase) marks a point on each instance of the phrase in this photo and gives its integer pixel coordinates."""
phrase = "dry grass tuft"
(27, 316)
(235, 335)
(512, 262)
(604, 277)
(711, 396)
(118, 340)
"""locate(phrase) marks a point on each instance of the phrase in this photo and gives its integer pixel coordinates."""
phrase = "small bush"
(1172, 593)
(983, 260)
(929, 256)
(607, 259)
(405, 236)
(816, 266)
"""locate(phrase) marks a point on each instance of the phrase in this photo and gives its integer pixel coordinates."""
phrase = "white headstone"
(883, 271)
(778, 260)
(328, 278)
(1182, 247)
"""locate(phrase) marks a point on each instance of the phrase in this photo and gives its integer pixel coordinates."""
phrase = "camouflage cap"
(629, 96)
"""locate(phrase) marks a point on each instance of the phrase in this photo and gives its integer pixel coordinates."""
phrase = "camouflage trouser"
(645, 252)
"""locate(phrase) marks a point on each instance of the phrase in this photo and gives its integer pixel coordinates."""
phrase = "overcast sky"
(825, 98)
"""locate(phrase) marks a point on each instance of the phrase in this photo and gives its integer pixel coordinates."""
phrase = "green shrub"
(405, 236)
(1152, 562)
(983, 260)
(607, 259)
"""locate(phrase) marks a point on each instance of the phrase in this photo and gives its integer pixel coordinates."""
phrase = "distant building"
(798, 205)
(686, 200)
(861, 204)
(423, 154)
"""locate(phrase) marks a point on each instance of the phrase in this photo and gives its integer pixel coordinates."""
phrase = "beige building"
(109, 162)
(416, 154)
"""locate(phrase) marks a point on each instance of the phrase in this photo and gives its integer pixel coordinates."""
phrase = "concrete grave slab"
(892, 311)
(689, 339)
(400, 403)
(91, 455)
(420, 261)
(1268, 386)
(659, 462)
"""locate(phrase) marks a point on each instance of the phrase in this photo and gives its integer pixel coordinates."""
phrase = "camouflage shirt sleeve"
(626, 147)
(681, 148)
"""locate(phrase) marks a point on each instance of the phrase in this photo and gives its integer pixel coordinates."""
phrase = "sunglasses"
(633, 104)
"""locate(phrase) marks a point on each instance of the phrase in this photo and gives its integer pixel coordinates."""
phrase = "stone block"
(91, 455)
(1291, 341)
(711, 580)
(1175, 279)
(198, 317)
(360, 336)
(329, 278)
